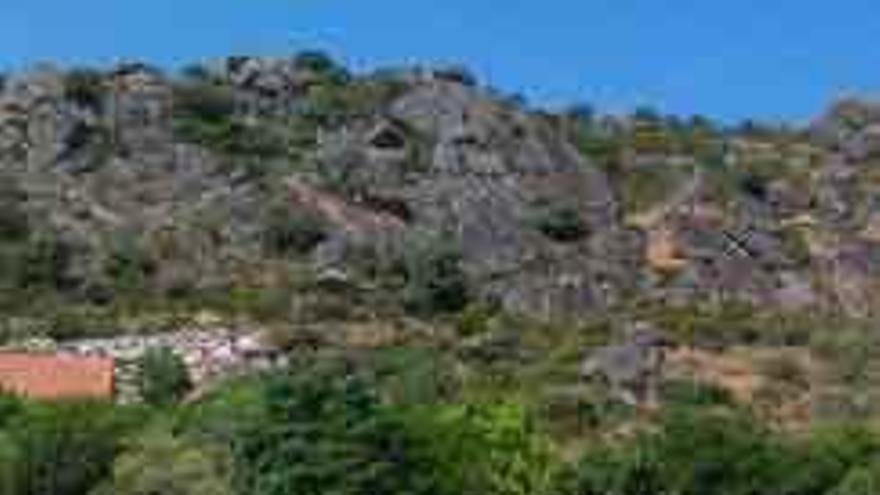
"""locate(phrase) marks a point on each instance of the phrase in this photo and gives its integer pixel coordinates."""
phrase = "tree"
(160, 463)
(164, 378)
(64, 448)
(483, 448)
(324, 432)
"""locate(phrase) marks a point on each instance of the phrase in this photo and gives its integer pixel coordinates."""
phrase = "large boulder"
(632, 369)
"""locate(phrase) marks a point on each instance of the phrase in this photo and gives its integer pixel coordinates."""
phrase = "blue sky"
(730, 59)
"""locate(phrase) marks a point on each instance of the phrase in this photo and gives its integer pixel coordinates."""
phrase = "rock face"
(139, 110)
(475, 170)
(633, 370)
(38, 125)
(176, 183)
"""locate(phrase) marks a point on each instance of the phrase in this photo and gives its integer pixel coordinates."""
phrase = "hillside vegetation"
(437, 258)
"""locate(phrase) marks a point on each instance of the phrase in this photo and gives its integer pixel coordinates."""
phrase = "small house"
(56, 376)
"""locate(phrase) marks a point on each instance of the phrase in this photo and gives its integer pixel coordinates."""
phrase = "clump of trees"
(341, 424)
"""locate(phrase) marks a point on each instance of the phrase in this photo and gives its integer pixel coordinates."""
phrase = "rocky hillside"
(293, 189)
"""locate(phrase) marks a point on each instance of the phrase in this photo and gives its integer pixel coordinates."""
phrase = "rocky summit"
(292, 188)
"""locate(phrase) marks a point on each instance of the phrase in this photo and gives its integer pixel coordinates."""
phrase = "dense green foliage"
(164, 378)
(157, 461)
(436, 282)
(291, 232)
(62, 449)
(335, 425)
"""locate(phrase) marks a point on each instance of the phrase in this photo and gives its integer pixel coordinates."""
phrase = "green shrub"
(164, 378)
(795, 245)
(457, 73)
(290, 231)
(322, 65)
(85, 87)
(76, 321)
(14, 225)
(690, 455)
(412, 375)
(435, 280)
(560, 222)
(787, 370)
(850, 352)
(474, 319)
(859, 481)
(128, 266)
(10, 406)
(649, 185)
(204, 112)
(690, 393)
(204, 102)
(195, 73)
(40, 263)
(483, 448)
(332, 103)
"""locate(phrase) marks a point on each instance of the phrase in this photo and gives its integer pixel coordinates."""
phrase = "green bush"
(412, 375)
(649, 185)
(435, 280)
(204, 102)
(14, 225)
(560, 222)
(204, 113)
(37, 265)
(688, 393)
(321, 64)
(164, 378)
(484, 448)
(474, 319)
(690, 455)
(859, 481)
(290, 231)
(85, 87)
(704, 453)
(128, 266)
(331, 103)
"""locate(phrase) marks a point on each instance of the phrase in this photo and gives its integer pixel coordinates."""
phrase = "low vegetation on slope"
(400, 421)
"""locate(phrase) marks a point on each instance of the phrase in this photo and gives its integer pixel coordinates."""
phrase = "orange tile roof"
(56, 376)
